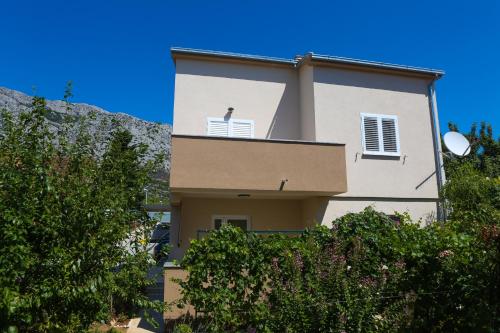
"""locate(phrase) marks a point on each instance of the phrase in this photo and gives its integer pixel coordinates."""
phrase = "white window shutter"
(242, 129)
(217, 127)
(380, 134)
(371, 135)
(236, 128)
(390, 135)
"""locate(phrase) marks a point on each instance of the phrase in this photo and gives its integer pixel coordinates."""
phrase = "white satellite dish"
(457, 143)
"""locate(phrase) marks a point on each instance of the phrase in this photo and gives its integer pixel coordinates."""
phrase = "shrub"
(227, 276)
(325, 279)
(330, 282)
(72, 227)
(473, 198)
(455, 266)
(367, 273)
(182, 328)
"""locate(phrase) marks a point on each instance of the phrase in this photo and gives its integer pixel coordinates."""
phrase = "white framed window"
(380, 134)
(241, 221)
(236, 128)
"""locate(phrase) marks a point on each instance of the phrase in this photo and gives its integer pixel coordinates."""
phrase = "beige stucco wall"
(172, 293)
(313, 210)
(265, 214)
(306, 96)
(418, 210)
(341, 95)
(268, 95)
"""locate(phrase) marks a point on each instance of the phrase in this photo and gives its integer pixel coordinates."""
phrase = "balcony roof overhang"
(178, 194)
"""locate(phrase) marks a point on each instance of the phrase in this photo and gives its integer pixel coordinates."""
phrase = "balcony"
(232, 166)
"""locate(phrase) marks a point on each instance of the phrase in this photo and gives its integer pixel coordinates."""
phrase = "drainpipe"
(440, 175)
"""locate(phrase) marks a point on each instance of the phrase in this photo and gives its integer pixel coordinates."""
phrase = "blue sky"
(116, 52)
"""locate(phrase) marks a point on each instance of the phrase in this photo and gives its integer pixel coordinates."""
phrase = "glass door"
(242, 222)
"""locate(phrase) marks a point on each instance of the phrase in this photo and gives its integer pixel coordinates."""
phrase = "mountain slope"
(156, 136)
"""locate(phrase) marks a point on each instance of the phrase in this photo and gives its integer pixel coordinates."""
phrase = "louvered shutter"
(217, 127)
(389, 133)
(380, 134)
(241, 129)
(237, 128)
(371, 136)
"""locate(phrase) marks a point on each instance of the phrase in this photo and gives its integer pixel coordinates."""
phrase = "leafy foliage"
(473, 198)
(324, 280)
(329, 281)
(367, 273)
(485, 151)
(72, 227)
(227, 281)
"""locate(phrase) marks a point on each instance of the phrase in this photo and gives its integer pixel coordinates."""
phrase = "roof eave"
(179, 51)
(436, 73)
(309, 57)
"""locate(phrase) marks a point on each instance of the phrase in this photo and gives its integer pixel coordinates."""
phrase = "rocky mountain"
(156, 136)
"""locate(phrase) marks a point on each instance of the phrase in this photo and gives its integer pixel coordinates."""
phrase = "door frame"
(224, 219)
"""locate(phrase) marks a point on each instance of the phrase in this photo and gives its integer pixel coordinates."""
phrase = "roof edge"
(174, 51)
(308, 57)
(376, 64)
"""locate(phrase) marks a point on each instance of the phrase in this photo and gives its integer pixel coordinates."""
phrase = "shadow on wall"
(237, 71)
(370, 80)
(286, 120)
(322, 205)
(380, 157)
(175, 229)
(313, 211)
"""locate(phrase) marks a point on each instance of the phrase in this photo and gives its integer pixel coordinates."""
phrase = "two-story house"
(281, 144)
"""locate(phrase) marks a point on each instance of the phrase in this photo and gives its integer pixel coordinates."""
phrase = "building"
(282, 144)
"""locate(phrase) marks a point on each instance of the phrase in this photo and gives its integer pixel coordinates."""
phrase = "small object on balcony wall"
(229, 113)
(283, 182)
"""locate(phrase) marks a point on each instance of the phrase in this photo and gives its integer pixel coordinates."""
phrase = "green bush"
(73, 232)
(367, 273)
(333, 281)
(183, 328)
(227, 277)
(455, 266)
(326, 279)
(473, 199)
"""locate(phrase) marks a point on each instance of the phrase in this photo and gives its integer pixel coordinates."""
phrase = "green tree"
(73, 231)
(473, 199)
(469, 242)
(485, 151)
